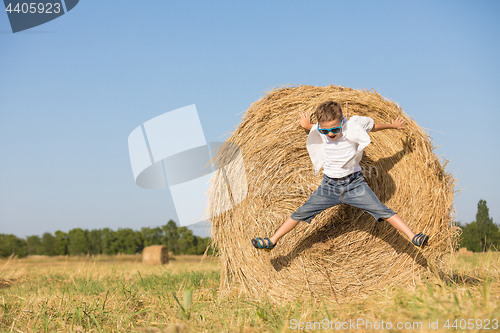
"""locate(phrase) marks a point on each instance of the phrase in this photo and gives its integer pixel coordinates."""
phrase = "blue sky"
(73, 89)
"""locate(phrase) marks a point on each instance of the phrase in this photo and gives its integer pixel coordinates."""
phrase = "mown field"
(120, 294)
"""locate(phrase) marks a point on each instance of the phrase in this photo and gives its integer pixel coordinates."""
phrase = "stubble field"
(120, 294)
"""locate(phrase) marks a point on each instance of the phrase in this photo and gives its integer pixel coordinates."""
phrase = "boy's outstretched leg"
(397, 222)
(288, 225)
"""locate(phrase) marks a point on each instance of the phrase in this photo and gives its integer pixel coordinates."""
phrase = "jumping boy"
(337, 144)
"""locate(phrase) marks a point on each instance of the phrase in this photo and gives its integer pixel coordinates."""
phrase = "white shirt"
(355, 131)
(337, 153)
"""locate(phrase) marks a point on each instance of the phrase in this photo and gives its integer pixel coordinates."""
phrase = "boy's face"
(331, 124)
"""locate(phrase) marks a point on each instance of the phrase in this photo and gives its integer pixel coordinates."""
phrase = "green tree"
(187, 241)
(33, 245)
(183, 241)
(10, 244)
(152, 236)
(470, 237)
(95, 240)
(61, 245)
(139, 241)
(108, 241)
(48, 246)
(171, 237)
(482, 234)
(77, 241)
(202, 246)
(127, 241)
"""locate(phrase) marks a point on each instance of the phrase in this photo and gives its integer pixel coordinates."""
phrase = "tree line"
(482, 234)
(179, 240)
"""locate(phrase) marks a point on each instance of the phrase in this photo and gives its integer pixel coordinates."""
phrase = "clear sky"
(73, 89)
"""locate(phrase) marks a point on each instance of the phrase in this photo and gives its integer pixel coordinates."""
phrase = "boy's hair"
(328, 111)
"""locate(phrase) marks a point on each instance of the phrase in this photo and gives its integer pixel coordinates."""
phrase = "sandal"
(259, 243)
(420, 239)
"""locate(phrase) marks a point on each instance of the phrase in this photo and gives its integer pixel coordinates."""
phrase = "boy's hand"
(305, 121)
(398, 123)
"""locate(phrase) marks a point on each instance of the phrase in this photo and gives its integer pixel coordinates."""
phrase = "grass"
(119, 294)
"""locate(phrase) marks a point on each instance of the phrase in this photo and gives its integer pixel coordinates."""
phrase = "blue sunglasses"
(334, 130)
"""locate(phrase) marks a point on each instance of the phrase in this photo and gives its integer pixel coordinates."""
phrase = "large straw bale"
(155, 255)
(344, 252)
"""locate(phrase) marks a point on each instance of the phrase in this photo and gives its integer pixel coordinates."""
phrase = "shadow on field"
(458, 278)
(384, 186)
(6, 283)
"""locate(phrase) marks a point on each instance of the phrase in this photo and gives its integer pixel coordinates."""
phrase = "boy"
(337, 144)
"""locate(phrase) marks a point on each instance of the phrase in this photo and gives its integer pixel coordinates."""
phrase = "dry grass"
(97, 293)
(344, 252)
(107, 294)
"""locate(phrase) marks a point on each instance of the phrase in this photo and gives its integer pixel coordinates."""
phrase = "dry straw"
(155, 255)
(344, 252)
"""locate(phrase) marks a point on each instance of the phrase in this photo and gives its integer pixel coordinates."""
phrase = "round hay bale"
(155, 255)
(344, 251)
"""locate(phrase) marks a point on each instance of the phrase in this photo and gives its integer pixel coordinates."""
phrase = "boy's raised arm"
(305, 121)
(396, 124)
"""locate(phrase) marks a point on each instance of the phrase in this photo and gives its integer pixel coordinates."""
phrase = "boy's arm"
(396, 124)
(305, 121)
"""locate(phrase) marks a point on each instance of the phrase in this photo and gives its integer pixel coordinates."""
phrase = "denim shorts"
(351, 190)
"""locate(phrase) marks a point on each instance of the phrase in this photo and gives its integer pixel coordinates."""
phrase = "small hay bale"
(344, 252)
(464, 251)
(155, 255)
